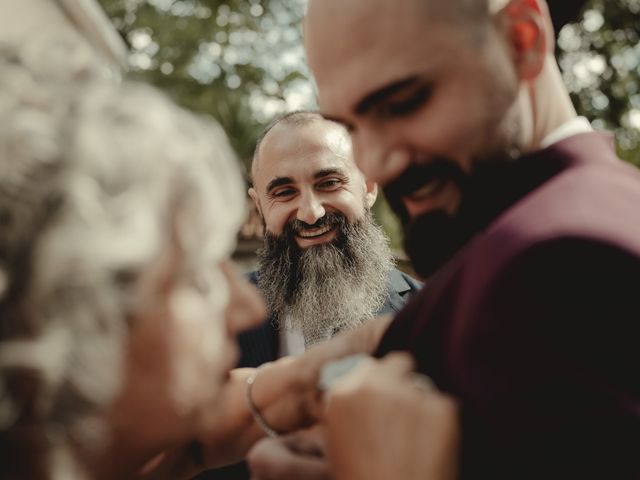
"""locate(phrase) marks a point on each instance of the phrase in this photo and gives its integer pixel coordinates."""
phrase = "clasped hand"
(376, 423)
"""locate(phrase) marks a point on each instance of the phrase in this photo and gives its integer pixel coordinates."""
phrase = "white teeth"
(426, 190)
(316, 232)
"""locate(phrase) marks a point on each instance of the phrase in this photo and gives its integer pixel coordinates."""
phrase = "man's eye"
(410, 104)
(287, 192)
(329, 184)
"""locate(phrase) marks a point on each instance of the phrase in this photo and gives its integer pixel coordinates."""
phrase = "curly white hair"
(94, 177)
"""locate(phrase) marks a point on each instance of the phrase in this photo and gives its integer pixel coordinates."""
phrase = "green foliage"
(239, 61)
(600, 57)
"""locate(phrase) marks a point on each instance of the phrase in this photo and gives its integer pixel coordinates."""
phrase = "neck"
(548, 104)
(124, 454)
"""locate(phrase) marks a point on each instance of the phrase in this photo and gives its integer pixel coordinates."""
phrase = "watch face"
(332, 371)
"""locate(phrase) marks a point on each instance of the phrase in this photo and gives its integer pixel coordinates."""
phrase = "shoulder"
(594, 202)
(569, 261)
(400, 288)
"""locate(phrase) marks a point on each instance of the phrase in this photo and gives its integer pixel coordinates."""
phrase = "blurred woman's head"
(118, 211)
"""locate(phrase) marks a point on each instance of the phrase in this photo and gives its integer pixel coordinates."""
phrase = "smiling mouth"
(429, 189)
(316, 232)
(426, 186)
(436, 195)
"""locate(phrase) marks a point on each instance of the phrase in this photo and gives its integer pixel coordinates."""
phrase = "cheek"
(349, 202)
(199, 344)
(453, 120)
(277, 216)
(458, 124)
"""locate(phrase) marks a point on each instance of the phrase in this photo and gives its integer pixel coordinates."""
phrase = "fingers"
(292, 457)
(384, 421)
(396, 364)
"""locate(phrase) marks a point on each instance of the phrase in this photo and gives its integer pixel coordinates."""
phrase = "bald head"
(473, 15)
(292, 121)
(469, 12)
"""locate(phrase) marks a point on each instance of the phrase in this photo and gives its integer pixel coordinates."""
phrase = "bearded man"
(325, 265)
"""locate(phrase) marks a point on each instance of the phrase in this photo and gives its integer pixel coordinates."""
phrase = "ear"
(372, 192)
(254, 196)
(527, 31)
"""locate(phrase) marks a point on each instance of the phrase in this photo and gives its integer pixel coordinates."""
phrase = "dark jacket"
(261, 344)
(535, 324)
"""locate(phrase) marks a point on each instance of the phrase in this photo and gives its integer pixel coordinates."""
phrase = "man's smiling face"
(425, 95)
(302, 172)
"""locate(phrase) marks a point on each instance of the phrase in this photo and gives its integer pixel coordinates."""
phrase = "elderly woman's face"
(180, 353)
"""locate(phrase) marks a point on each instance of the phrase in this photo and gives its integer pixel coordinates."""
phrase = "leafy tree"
(238, 60)
(600, 58)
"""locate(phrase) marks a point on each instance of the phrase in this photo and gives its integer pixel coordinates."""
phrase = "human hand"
(291, 457)
(284, 392)
(379, 425)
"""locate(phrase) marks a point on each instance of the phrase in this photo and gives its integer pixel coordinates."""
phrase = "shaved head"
(296, 119)
(458, 10)
(474, 15)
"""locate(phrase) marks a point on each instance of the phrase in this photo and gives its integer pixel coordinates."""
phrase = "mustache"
(417, 175)
(331, 218)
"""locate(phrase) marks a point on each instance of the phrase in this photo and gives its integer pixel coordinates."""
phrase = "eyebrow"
(378, 96)
(329, 171)
(278, 182)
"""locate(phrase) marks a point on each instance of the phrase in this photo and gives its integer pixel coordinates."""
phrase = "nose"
(310, 209)
(378, 161)
(245, 309)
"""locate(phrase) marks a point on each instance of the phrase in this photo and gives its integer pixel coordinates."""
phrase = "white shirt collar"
(568, 129)
(291, 341)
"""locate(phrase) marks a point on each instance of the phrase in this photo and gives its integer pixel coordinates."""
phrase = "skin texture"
(356, 410)
(422, 442)
(286, 395)
(202, 343)
(298, 455)
(316, 159)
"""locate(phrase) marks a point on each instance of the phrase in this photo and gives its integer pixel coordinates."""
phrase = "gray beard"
(327, 288)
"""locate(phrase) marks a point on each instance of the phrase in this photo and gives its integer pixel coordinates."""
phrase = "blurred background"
(242, 62)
